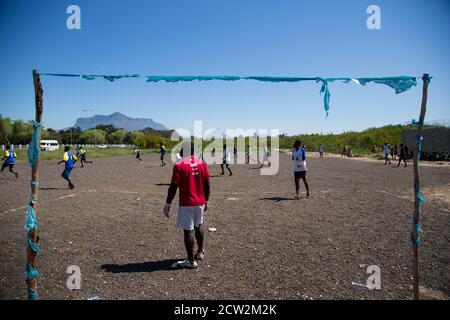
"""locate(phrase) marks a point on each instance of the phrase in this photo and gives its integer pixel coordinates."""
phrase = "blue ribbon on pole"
(34, 148)
(31, 223)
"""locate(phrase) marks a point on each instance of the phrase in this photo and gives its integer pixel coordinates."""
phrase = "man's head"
(8, 147)
(66, 148)
(297, 144)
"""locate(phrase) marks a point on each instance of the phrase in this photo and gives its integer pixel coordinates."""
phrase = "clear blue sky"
(232, 37)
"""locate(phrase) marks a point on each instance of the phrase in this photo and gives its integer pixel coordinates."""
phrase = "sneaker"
(297, 197)
(200, 256)
(71, 187)
(186, 264)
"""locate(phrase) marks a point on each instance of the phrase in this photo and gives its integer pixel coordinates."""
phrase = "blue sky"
(233, 37)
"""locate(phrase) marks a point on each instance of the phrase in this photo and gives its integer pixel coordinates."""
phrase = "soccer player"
(9, 161)
(138, 154)
(344, 152)
(83, 157)
(70, 159)
(386, 151)
(191, 176)
(226, 160)
(299, 166)
(162, 153)
(266, 157)
(402, 155)
(321, 150)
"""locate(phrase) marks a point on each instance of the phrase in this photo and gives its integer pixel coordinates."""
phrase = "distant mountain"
(118, 120)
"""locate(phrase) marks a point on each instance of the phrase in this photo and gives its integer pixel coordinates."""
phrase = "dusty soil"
(267, 245)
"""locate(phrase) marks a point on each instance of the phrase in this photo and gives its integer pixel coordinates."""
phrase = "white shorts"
(190, 217)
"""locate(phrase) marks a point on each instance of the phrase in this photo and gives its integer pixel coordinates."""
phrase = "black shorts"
(300, 174)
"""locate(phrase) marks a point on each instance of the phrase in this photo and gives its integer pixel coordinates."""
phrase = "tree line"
(19, 132)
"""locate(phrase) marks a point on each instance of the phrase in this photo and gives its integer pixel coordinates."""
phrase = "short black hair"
(66, 148)
(8, 147)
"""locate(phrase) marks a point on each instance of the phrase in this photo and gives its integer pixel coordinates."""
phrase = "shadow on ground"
(150, 266)
(277, 199)
(52, 189)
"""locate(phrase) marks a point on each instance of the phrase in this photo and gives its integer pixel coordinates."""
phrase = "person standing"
(162, 153)
(344, 152)
(9, 161)
(299, 167)
(266, 158)
(249, 154)
(226, 160)
(69, 159)
(402, 155)
(321, 150)
(386, 151)
(191, 176)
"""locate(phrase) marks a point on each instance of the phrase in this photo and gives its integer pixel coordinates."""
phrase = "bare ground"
(267, 245)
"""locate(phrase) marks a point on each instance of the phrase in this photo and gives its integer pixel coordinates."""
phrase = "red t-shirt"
(190, 175)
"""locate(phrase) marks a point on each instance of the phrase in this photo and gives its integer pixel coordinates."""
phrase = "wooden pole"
(415, 233)
(31, 255)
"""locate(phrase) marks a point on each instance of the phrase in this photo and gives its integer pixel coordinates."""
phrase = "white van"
(49, 145)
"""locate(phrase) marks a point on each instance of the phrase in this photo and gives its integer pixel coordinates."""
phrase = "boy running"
(9, 161)
(138, 154)
(299, 166)
(83, 157)
(191, 176)
(70, 160)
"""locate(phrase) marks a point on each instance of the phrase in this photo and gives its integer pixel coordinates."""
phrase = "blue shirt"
(10, 157)
(69, 158)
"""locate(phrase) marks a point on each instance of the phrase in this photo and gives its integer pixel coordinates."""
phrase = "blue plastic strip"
(399, 84)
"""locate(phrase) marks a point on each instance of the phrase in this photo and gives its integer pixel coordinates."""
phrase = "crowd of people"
(402, 153)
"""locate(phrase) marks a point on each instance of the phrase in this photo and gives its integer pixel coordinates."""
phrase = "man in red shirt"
(191, 176)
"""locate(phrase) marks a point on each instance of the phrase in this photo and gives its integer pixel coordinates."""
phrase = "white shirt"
(299, 160)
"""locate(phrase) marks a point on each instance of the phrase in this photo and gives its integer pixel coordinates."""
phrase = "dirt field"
(267, 245)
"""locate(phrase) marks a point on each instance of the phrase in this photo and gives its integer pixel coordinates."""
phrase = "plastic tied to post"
(31, 223)
(34, 148)
(421, 201)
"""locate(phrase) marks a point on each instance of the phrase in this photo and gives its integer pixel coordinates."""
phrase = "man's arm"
(206, 189)
(171, 192)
